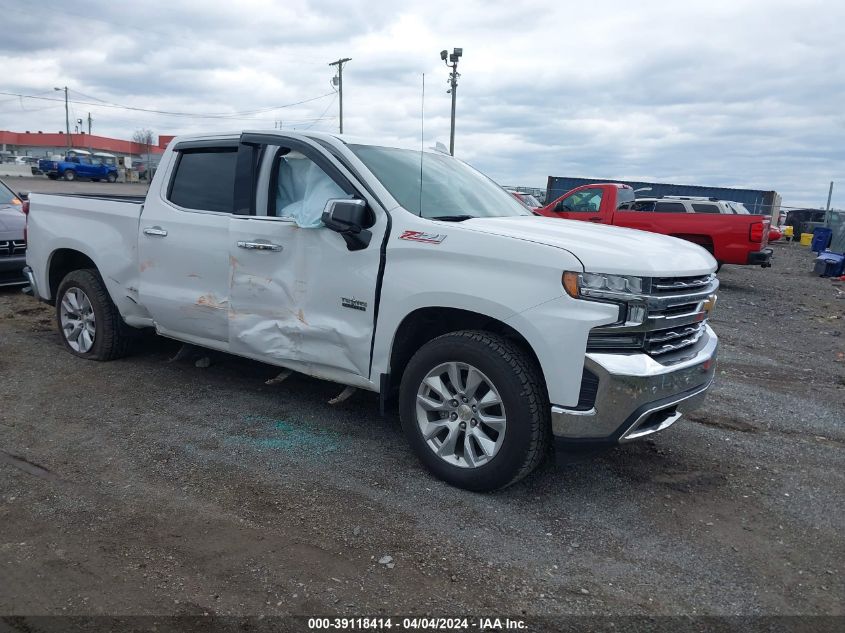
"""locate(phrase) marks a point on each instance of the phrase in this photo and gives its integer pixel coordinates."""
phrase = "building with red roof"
(44, 144)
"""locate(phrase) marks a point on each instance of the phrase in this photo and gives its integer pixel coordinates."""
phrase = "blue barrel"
(821, 239)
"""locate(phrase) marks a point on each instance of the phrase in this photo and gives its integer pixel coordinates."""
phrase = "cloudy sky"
(746, 93)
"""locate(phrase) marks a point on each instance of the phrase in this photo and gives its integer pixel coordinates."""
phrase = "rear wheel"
(69, 175)
(89, 322)
(474, 410)
(52, 176)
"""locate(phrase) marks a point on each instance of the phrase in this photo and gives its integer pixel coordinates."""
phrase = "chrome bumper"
(637, 395)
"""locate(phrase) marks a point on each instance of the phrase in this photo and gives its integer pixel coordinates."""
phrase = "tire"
(52, 176)
(110, 338)
(111, 178)
(69, 175)
(95, 180)
(512, 377)
(718, 266)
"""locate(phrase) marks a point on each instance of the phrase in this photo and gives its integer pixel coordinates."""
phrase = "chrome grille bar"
(675, 317)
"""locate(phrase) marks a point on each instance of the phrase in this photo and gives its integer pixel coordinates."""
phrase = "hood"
(605, 249)
(12, 220)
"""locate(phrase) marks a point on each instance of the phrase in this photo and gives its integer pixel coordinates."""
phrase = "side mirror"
(23, 195)
(348, 218)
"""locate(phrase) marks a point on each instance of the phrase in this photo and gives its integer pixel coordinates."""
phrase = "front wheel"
(70, 175)
(475, 411)
(111, 178)
(89, 322)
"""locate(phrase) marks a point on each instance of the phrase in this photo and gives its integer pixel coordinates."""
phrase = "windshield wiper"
(453, 218)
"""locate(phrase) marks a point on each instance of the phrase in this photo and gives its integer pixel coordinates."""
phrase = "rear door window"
(670, 207)
(205, 180)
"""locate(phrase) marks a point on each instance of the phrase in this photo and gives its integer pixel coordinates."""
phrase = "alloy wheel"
(461, 415)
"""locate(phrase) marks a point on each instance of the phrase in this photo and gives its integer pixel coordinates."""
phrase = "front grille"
(9, 248)
(674, 285)
(675, 319)
(671, 340)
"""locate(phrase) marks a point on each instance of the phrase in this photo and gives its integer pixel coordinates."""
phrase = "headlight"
(602, 286)
(623, 290)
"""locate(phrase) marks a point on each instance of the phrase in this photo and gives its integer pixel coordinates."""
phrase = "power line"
(322, 116)
(230, 115)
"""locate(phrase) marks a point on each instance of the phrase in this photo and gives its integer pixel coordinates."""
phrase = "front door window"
(584, 201)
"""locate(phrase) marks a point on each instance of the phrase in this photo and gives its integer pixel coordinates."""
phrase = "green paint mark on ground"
(265, 433)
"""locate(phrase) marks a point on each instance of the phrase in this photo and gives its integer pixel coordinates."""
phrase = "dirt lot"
(144, 486)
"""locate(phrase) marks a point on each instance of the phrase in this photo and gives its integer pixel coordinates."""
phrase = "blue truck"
(78, 164)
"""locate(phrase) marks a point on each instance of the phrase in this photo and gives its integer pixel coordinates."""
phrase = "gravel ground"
(144, 486)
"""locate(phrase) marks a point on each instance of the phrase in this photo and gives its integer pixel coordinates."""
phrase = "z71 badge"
(355, 304)
(419, 236)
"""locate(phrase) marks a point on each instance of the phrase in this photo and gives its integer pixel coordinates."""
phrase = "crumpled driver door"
(299, 297)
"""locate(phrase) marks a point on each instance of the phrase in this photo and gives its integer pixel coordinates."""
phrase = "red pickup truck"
(731, 239)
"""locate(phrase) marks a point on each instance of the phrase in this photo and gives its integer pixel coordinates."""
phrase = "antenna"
(422, 138)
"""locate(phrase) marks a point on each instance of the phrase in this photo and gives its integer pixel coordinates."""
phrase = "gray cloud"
(722, 92)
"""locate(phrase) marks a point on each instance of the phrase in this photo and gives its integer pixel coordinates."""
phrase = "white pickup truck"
(404, 272)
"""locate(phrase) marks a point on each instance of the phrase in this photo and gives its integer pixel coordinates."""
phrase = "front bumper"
(637, 396)
(761, 258)
(11, 270)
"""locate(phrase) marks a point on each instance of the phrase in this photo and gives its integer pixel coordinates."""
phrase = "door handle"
(260, 246)
(156, 231)
(598, 219)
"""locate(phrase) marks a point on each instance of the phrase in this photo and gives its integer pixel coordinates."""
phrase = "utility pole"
(89, 124)
(453, 83)
(90, 142)
(338, 81)
(827, 209)
(67, 118)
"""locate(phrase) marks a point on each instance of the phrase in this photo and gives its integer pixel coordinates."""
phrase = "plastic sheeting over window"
(303, 190)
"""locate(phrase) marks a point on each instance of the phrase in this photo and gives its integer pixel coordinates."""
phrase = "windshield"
(6, 195)
(450, 188)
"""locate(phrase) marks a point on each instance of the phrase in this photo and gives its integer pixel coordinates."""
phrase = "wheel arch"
(63, 261)
(424, 324)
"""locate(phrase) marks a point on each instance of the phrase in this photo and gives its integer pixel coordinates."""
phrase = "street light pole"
(453, 83)
(339, 63)
(67, 118)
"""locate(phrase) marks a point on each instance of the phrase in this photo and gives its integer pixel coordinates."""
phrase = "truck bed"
(103, 228)
(116, 197)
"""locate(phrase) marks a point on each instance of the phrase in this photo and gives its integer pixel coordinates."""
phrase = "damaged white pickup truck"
(403, 272)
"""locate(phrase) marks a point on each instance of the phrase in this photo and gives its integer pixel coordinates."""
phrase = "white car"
(688, 204)
(498, 331)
